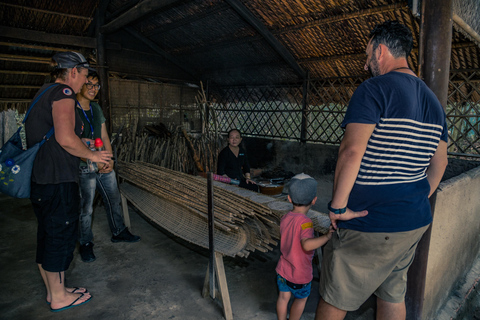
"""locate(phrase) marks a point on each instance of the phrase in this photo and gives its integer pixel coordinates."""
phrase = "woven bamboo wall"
(277, 111)
(145, 103)
(463, 113)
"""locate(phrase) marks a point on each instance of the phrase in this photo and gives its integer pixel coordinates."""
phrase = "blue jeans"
(106, 183)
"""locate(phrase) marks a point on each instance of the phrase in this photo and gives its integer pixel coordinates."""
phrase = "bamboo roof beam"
(137, 12)
(32, 73)
(74, 16)
(124, 7)
(268, 36)
(339, 18)
(343, 17)
(462, 24)
(182, 65)
(32, 46)
(357, 56)
(360, 56)
(13, 100)
(52, 38)
(13, 57)
(188, 20)
(18, 86)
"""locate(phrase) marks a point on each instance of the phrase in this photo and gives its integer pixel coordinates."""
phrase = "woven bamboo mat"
(185, 225)
(252, 226)
(245, 221)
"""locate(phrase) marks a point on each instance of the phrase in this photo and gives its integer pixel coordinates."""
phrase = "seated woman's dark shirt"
(234, 167)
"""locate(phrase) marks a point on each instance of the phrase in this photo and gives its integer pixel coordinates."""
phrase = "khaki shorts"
(358, 264)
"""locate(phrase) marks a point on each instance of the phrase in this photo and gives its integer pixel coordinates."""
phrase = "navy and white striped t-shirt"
(391, 183)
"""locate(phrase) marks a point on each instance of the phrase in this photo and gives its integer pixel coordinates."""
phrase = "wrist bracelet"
(336, 211)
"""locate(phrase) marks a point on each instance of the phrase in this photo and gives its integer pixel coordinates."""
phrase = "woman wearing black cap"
(54, 189)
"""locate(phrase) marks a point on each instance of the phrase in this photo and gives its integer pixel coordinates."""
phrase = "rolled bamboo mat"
(187, 226)
(245, 221)
(235, 215)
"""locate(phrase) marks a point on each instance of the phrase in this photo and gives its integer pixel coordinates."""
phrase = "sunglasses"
(91, 85)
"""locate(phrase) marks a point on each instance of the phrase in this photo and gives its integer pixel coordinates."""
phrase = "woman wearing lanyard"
(104, 180)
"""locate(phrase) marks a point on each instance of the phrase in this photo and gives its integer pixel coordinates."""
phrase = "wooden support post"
(434, 57)
(211, 241)
(222, 292)
(102, 69)
(215, 269)
(126, 216)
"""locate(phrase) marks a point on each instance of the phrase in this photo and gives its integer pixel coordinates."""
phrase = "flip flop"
(77, 288)
(71, 305)
(74, 291)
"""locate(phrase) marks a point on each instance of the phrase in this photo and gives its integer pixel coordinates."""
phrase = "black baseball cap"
(71, 59)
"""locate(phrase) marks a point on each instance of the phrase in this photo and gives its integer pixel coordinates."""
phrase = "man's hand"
(107, 168)
(348, 215)
(101, 156)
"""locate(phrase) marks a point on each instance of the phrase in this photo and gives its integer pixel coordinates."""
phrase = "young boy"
(297, 245)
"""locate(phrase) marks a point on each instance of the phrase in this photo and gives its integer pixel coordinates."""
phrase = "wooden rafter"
(360, 56)
(188, 20)
(51, 38)
(17, 86)
(124, 7)
(343, 17)
(268, 36)
(31, 73)
(140, 10)
(469, 30)
(11, 100)
(31, 46)
(355, 56)
(46, 11)
(183, 65)
(18, 58)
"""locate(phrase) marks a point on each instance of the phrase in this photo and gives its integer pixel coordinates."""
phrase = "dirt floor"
(160, 277)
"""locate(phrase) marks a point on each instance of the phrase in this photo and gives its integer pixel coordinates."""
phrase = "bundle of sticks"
(233, 213)
(176, 150)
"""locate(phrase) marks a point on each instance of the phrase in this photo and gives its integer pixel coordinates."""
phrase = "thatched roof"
(227, 42)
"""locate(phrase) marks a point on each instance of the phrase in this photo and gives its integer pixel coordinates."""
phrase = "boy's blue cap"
(302, 189)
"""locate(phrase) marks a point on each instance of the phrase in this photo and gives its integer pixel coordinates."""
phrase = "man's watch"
(336, 211)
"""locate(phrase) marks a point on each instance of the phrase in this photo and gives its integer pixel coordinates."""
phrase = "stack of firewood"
(176, 150)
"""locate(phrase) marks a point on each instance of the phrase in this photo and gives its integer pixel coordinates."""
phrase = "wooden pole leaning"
(215, 269)
(126, 215)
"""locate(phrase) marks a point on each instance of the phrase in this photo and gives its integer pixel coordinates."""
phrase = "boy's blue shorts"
(299, 291)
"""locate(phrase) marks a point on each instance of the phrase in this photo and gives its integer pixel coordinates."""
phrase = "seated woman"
(233, 162)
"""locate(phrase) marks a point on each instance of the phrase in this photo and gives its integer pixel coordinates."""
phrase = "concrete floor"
(156, 278)
(160, 277)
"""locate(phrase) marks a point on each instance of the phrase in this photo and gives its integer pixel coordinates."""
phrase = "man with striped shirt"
(391, 160)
